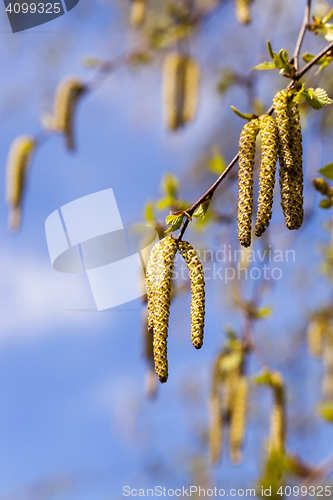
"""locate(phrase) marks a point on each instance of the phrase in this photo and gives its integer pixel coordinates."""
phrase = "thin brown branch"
(302, 34)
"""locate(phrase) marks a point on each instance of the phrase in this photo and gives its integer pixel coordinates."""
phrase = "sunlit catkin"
(18, 162)
(277, 432)
(151, 280)
(296, 211)
(247, 145)
(268, 134)
(315, 337)
(181, 75)
(138, 12)
(238, 419)
(67, 94)
(148, 351)
(242, 8)
(162, 305)
(197, 292)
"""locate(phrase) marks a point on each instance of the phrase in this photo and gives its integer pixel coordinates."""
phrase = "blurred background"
(75, 419)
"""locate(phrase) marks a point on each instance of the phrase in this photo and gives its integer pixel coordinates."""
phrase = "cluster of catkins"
(279, 138)
(158, 284)
(228, 402)
(320, 345)
(22, 148)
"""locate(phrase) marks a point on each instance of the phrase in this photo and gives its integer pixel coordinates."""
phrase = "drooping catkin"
(315, 337)
(197, 292)
(290, 158)
(215, 431)
(138, 12)
(164, 268)
(148, 351)
(242, 8)
(181, 75)
(247, 144)
(238, 419)
(268, 132)
(277, 432)
(18, 162)
(67, 94)
(327, 384)
(151, 280)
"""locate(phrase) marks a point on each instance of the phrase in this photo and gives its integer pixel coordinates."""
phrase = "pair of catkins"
(281, 137)
(158, 284)
(22, 148)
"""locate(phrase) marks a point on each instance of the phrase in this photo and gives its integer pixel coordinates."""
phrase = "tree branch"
(301, 34)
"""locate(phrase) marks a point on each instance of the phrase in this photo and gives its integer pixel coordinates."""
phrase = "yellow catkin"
(197, 292)
(138, 13)
(148, 351)
(277, 433)
(18, 162)
(67, 94)
(151, 280)
(181, 75)
(215, 434)
(315, 338)
(162, 306)
(242, 8)
(327, 384)
(238, 419)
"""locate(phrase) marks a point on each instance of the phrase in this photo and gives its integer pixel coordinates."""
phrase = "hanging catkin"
(18, 162)
(238, 419)
(181, 75)
(215, 432)
(247, 144)
(197, 292)
(268, 134)
(290, 158)
(242, 8)
(327, 385)
(67, 94)
(151, 280)
(315, 337)
(138, 12)
(277, 421)
(164, 268)
(148, 351)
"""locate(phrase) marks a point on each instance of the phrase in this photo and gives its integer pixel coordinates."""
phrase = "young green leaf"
(327, 17)
(316, 98)
(325, 203)
(170, 185)
(201, 210)
(216, 163)
(265, 65)
(149, 212)
(247, 116)
(269, 48)
(175, 222)
(325, 410)
(327, 171)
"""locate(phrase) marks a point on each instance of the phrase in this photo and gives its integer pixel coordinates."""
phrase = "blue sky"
(74, 421)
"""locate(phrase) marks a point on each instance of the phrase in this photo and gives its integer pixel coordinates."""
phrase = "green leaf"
(170, 185)
(216, 163)
(327, 17)
(263, 378)
(269, 48)
(265, 65)
(327, 171)
(325, 30)
(317, 98)
(149, 212)
(165, 202)
(325, 410)
(307, 57)
(247, 116)
(201, 210)
(325, 203)
(175, 222)
(263, 312)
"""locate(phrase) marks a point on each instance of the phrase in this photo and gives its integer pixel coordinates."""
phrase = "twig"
(301, 34)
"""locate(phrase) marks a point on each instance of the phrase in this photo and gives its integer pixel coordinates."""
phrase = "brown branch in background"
(302, 34)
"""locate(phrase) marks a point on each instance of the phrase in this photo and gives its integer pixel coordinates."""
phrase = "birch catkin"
(215, 433)
(197, 292)
(238, 419)
(162, 305)
(138, 12)
(327, 385)
(67, 94)
(181, 77)
(151, 280)
(296, 178)
(247, 144)
(242, 8)
(278, 421)
(18, 162)
(268, 134)
(315, 337)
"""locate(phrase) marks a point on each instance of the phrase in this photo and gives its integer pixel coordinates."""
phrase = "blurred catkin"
(197, 292)
(18, 162)
(67, 94)
(148, 351)
(322, 186)
(268, 132)
(327, 385)
(242, 8)
(247, 144)
(164, 268)
(315, 337)
(278, 420)
(238, 419)
(181, 75)
(138, 13)
(215, 432)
